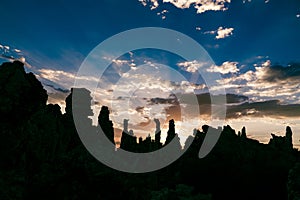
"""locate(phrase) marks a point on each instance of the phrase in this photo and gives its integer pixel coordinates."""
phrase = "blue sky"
(57, 28)
(245, 39)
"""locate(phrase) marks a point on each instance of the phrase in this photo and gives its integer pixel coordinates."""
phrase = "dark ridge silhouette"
(42, 156)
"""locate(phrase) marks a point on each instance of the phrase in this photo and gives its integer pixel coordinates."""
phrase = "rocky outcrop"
(283, 143)
(21, 94)
(106, 124)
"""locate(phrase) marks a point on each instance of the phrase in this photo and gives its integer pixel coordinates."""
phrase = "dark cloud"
(279, 73)
(237, 106)
(206, 98)
(57, 88)
(267, 108)
(172, 99)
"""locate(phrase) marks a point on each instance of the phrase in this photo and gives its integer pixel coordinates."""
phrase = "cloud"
(221, 32)
(66, 79)
(271, 108)
(224, 32)
(143, 2)
(57, 88)
(278, 73)
(267, 82)
(218, 5)
(12, 54)
(238, 106)
(200, 5)
(170, 100)
(225, 68)
(58, 83)
(163, 14)
(121, 62)
(210, 32)
(191, 66)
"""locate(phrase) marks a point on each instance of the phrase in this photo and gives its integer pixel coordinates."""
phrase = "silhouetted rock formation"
(158, 144)
(171, 132)
(125, 125)
(128, 140)
(106, 124)
(21, 96)
(284, 143)
(19, 93)
(289, 138)
(205, 128)
(42, 156)
(244, 135)
(172, 136)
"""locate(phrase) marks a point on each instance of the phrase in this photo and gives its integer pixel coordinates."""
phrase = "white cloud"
(298, 15)
(163, 14)
(144, 2)
(267, 63)
(66, 79)
(12, 54)
(212, 5)
(23, 60)
(221, 32)
(198, 28)
(121, 62)
(191, 66)
(200, 5)
(225, 68)
(262, 84)
(224, 32)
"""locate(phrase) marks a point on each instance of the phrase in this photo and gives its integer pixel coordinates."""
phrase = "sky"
(252, 45)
